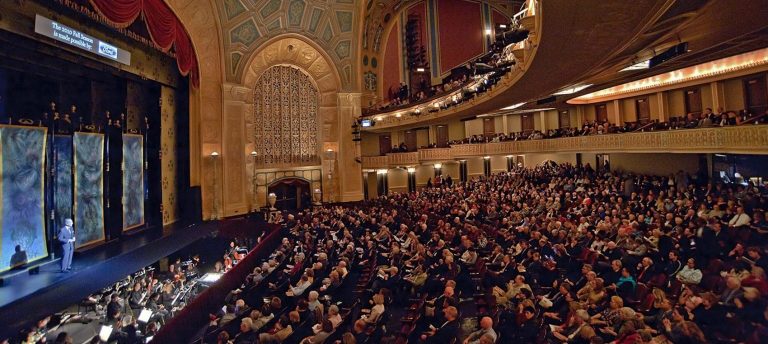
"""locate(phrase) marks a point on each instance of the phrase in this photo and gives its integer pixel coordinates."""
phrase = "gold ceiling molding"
(705, 70)
(297, 51)
(247, 25)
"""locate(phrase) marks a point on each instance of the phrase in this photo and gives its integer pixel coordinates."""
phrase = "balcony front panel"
(403, 159)
(435, 154)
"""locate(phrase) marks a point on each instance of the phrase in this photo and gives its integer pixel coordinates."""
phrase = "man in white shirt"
(740, 219)
(486, 327)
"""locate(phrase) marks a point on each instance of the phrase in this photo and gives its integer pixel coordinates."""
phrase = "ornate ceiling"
(249, 24)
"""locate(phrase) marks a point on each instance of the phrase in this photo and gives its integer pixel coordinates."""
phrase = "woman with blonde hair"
(611, 315)
(376, 310)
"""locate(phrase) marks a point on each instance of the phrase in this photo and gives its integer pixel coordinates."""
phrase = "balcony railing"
(403, 159)
(435, 154)
(745, 139)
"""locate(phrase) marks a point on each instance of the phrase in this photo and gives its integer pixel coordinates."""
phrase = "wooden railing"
(744, 139)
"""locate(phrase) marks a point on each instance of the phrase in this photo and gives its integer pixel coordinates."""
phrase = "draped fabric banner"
(133, 181)
(22, 210)
(89, 188)
(62, 183)
(164, 28)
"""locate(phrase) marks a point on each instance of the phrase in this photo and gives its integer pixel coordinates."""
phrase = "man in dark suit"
(447, 332)
(67, 239)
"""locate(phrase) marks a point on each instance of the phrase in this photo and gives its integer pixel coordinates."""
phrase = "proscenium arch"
(205, 102)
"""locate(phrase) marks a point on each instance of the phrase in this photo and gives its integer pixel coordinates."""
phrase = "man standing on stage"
(67, 240)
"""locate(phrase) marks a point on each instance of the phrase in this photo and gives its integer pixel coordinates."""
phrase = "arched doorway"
(292, 193)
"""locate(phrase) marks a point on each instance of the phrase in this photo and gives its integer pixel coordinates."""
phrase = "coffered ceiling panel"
(248, 24)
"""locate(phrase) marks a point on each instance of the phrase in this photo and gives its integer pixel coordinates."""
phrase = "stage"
(25, 298)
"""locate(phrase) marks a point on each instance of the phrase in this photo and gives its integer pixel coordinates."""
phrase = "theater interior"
(383, 171)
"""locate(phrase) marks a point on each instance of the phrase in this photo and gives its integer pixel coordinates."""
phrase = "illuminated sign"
(68, 35)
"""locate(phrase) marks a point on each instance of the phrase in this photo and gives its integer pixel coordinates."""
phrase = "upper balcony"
(744, 139)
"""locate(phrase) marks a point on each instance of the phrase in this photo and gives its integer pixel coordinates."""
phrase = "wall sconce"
(488, 32)
(420, 70)
(438, 165)
(318, 196)
(214, 154)
(487, 157)
(411, 170)
(381, 171)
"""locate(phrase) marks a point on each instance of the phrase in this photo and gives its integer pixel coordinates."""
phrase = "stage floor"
(26, 298)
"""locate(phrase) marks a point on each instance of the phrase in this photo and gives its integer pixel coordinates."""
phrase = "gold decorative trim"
(746, 139)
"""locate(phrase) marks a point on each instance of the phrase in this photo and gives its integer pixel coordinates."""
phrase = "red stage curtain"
(121, 13)
(184, 51)
(164, 28)
(161, 23)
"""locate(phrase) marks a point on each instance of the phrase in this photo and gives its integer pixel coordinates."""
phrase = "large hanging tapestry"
(89, 188)
(285, 118)
(62, 183)
(133, 181)
(22, 211)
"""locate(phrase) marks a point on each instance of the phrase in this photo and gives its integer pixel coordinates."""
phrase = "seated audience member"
(278, 333)
(486, 328)
(446, 332)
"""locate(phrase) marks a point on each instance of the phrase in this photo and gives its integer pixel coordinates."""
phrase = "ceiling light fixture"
(571, 90)
(638, 66)
(512, 107)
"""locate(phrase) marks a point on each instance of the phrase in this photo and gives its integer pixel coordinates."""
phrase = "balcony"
(745, 139)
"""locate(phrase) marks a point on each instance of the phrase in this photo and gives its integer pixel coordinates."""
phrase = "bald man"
(486, 328)
(447, 332)
(66, 238)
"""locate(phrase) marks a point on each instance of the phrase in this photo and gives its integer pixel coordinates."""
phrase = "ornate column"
(718, 94)
(543, 121)
(234, 199)
(615, 116)
(663, 100)
(349, 172)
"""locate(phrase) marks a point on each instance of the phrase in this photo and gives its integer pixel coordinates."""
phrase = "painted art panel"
(62, 183)
(133, 181)
(22, 211)
(89, 188)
